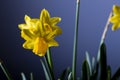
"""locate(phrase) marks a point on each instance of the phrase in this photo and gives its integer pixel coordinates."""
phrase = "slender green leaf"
(7, 74)
(50, 71)
(89, 63)
(70, 76)
(94, 75)
(108, 73)
(64, 74)
(93, 64)
(103, 62)
(23, 76)
(78, 78)
(48, 77)
(31, 76)
(85, 71)
(116, 76)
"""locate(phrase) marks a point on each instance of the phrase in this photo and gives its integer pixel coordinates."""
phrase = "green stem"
(104, 33)
(5, 71)
(49, 58)
(50, 62)
(106, 29)
(75, 42)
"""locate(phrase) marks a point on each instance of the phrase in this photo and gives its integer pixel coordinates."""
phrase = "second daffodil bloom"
(40, 33)
(115, 19)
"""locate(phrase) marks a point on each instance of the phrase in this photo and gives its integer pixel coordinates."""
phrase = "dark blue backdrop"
(93, 17)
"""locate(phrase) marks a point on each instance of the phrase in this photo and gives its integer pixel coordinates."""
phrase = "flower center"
(47, 28)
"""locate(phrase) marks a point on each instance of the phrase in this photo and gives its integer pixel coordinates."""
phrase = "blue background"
(93, 17)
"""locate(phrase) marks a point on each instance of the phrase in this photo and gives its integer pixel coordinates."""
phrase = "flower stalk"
(75, 41)
(104, 33)
(49, 58)
(106, 28)
(50, 63)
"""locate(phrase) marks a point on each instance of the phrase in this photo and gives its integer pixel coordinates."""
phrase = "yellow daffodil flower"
(115, 19)
(40, 33)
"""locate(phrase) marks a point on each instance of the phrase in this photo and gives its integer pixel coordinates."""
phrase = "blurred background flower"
(115, 19)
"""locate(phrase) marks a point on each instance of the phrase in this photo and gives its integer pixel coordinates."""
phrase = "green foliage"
(23, 76)
(64, 75)
(5, 71)
(100, 69)
(103, 62)
(85, 71)
(97, 70)
(46, 71)
(116, 75)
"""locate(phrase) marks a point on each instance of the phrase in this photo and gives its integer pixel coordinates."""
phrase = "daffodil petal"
(34, 20)
(47, 28)
(44, 16)
(27, 19)
(115, 27)
(40, 29)
(27, 35)
(115, 19)
(54, 20)
(34, 27)
(54, 33)
(22, 26)
(51, 35)
(116, 9)
(28, 45)
(58, 30)
(52, 43)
